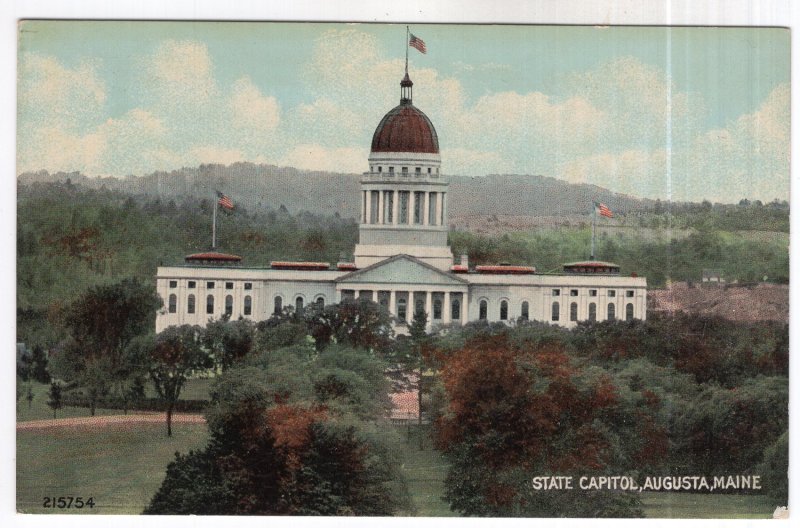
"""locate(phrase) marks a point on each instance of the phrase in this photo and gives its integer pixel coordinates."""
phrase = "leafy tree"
(175, 354)
(355, 322)
(775, 470)
(55, 402)
(29, 395)
(229, 341)
(39, 365)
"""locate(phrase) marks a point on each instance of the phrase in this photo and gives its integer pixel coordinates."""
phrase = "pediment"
(401, 269)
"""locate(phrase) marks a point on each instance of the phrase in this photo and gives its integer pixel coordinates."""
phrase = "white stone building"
(402, 259)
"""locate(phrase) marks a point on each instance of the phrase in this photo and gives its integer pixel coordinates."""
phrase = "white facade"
(402, 260)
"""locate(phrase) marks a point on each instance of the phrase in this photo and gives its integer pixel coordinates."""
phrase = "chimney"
(465, 260)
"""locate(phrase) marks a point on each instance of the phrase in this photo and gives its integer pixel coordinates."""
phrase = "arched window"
(228, 304)
(190, 304)
(248, 305)
(629, 312)
(483, 310)
(210, 304)
(419, 307)
(556, 312)
(455, 310)
(320, 301)
(592, 312)
(524, 313)
(173, 303)
(503, 310)
(612, 312)
(278, 305)
(401, 309)
(298, 304)
(573, 312)
(437, 308)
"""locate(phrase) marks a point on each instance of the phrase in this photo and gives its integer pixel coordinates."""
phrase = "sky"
(672, 113)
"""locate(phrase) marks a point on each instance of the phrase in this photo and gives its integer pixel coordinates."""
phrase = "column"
(412, 198)
(395, 207)
(363, 207)
(444, 208)
(446, 308)
(439, 196)
(429, 306)
(410, 308)
(369, 208)
(392, 303)
(425, 208)
(381, 205)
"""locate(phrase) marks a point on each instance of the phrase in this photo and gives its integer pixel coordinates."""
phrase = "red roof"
(299, 265)
(346, 266)
(592, 264)
(459, 268)
(213, 255)
(405, 129)
(505, 269)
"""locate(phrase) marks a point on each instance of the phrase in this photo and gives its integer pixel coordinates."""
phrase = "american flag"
(224, 201)
(604, 210)
(417, 43)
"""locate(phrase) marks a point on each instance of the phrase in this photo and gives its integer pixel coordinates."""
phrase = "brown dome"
(405, 129)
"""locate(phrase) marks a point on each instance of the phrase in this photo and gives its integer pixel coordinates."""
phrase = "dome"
(405, 128)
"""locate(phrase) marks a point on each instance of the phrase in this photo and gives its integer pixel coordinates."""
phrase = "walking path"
(114, 420)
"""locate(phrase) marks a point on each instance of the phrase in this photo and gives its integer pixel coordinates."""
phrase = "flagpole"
(214, 226)
(407, 32)
(594, 223)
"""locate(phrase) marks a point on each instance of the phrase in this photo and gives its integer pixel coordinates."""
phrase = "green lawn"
(424, 471)
(706, 506)
(121, 468)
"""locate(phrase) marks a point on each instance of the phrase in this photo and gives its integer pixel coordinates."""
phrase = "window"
(629, 312)
(592, 293)
(401, 309)
(348, 295)
(248, 285)
(524, 310)
(419, 204)
(556, 293)
(173, 284)
(403, 216)
(388, 207)
(190, 304)
(573, 293)
(483, 309)
(418, 171)
(320, 301)
(555, 312)
(437, 308)
(504, 310)
(455, 310)
(380, 168)
(248, 305)
(173, 303)
(298, 304)
(405, 171)
(432, 208)
(573, 312)
(429, 170)
(612, 312)
(612, 293)
(210, 285)
(592, 312)
(373, 213)
(391, 170)
(629, 293)
(228, 285)
(191, 284)
(210, 304)
(278, 305)
(228, 304)
(419, 307)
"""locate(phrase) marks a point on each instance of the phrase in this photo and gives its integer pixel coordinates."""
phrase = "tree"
(358, 322)
(39, 365)
(54, 402)
(175, 354)
(229, 341)
(102, 323)
(29, 395)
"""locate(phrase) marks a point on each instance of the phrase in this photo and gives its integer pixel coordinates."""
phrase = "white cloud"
(250, 109)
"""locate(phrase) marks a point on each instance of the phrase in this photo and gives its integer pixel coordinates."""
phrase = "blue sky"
(681, 113)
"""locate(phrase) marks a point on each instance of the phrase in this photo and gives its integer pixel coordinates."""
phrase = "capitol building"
(402, 260)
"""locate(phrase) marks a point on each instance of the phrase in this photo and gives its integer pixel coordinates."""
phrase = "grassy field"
(121, 468)
(703, 506)
(424, 471)
(195, 389)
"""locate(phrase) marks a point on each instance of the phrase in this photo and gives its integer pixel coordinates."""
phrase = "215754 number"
(64, 503)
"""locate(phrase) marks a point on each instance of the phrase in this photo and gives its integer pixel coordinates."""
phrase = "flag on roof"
(224, 201)
(417, 43)
(604, 210)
